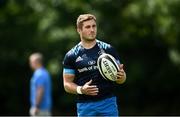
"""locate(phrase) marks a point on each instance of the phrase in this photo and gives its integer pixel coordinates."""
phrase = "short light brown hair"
(84, 17)
(38, 57)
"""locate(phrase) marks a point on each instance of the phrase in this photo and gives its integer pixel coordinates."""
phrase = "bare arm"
(71, 87)
(40, 92)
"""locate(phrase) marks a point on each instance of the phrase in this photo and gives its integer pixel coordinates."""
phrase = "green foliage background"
(145, 33)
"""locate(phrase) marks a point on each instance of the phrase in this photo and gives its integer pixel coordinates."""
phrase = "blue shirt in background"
(41, 78)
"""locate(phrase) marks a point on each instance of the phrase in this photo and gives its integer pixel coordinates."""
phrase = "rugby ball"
(108, 66)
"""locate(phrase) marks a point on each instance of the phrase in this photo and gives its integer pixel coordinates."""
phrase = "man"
(40, 87)
(81, 75)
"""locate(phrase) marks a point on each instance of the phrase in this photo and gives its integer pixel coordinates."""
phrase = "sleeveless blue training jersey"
(82, 63)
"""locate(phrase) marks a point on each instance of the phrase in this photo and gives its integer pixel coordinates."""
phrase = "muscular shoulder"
(74, 51)
(103, 45)
(71, 55)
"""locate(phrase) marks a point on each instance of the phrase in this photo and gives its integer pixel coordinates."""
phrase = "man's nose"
(92, 29)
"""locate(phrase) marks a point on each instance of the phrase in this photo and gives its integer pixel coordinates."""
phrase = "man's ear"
(78, 30)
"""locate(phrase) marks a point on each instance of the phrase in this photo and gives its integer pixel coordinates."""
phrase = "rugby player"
(81, 75)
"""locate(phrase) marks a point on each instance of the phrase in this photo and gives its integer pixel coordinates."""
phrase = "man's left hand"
(121, 75)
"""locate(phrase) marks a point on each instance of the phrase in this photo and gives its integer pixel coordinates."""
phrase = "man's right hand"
(88, 89)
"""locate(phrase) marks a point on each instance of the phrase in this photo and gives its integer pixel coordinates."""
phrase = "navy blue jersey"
(83, 64)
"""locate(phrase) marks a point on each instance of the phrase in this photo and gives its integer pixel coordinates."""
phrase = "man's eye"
(87, 26)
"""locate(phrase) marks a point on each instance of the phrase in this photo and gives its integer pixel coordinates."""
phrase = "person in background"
(40, 87)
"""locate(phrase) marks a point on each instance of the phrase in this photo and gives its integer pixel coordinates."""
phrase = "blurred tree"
(145, 33)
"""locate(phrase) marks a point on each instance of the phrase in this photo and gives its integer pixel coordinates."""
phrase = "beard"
(89, 38)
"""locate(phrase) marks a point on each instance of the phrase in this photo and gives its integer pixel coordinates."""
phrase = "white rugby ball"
(108, 66)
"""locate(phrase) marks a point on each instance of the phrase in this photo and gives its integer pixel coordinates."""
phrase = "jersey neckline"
(88, 48)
